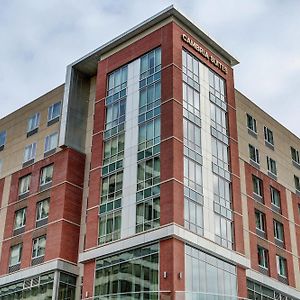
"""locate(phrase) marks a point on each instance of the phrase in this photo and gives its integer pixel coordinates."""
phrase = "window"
(216, 88)
(281, 266)
(193, 175)
(24, 184)
(112, 187)
(254, 154)
(147, 214)
(114, 149)
(223, 231)
(110, 227)
(275, 197)
(20, 218)
(297, 183)
(148, 177)
(54, 111)
(295, 155)
(220, 154)
(257, 186)
(15, 255)
(278, 230)
(51, 142)
(251, 123)
(2, 139)
(33, 122)
(260, 221)
(263, 257)
(271, 165)
(191, 99)
(149, 134)
(39, 245)
(268, 135)
(42, 209)
(29, 153)
(46, 175)
(117, 81)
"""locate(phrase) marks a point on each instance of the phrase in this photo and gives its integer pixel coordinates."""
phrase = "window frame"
(32, 151)
(3, 137)
(273, 191)
(269, 136)
(262, 221)
(251, 123)
(264, 257)
(42, 175)
(295, 155)
(297, 183)
(50, 116)
(272, 166)
(261, 189)
(20, 182)
(39, 210)
(20, 246)
(48, 142)
(278, 226)
(36, 121)
(279, 261)
(38, 240)
(23, 210)
(255, 157)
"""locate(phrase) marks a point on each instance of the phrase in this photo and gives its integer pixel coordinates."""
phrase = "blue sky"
(40, 38)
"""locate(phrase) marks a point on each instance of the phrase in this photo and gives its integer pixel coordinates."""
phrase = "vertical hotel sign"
(204, 53)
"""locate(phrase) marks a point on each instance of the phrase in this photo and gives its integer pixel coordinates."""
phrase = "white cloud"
(40, 38)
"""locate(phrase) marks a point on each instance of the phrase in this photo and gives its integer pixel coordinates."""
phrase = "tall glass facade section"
(193, 183)
(148, 156)
(220, 161)
(129, 275)
(112, 163)
(208, 277)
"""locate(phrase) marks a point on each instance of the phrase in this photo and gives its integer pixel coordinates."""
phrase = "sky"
(38, 39)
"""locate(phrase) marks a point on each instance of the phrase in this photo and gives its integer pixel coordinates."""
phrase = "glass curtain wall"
(128, 275)
(112, 163)
(148, 156)
(208, 277)
(193, 186)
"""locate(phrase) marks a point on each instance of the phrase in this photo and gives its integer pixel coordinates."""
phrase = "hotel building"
(147, 175)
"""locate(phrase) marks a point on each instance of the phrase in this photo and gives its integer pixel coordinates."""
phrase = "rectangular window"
(220, 154)
(223, 231)
(193, 215)
(54, 111)
(193, 175)
(2, 139)
(295, 155)
(46, 175)
(297, 183)
(51, 142)
(260, 221)
(20, 218)
(110, 227)
(30, 152)
(278, 230)
(281, 266)
(251, 123)
(272, 168)
(39, 245)
(275, 197)
(263, 257)
(148, 178)
(268, 135)
(112, 187)
(254, 154)
(216, 88)
(15, 255)
(42, 209)
(33, 122)
(147, 214)
(191, 99)
(257, 186)
(219, 118)
(24, 184)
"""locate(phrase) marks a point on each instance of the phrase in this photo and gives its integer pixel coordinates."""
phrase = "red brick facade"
(62, 229)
